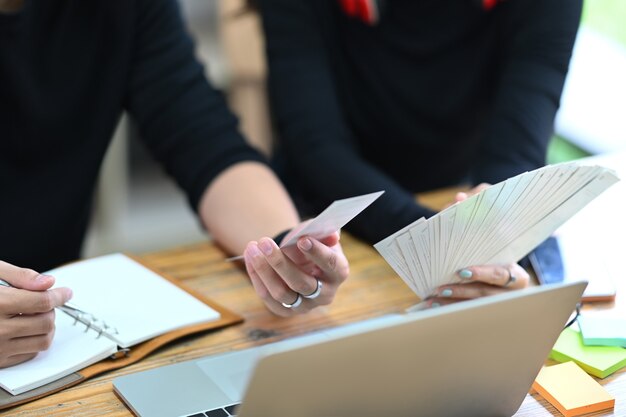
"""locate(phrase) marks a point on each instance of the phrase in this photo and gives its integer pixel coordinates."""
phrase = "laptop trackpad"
(231, 372)
(180, 389)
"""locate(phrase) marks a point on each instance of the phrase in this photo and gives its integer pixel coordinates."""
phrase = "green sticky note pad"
(602, 331)
(600, 361)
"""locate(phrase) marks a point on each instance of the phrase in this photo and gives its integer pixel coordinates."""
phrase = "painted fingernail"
(435, 305)
(446, 293)
(266, 247)
(465, 273)
(305, 244)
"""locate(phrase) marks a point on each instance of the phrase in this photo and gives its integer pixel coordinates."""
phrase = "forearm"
(246, 202)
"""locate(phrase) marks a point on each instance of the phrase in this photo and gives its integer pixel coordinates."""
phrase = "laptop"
(476, 358)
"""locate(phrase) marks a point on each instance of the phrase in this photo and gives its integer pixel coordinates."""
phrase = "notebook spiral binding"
(89, 320)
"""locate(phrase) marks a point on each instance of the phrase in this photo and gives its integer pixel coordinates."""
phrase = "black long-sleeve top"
(67, 70)
(437, 93)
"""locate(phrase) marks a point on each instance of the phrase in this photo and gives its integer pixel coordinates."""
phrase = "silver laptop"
(477, 358)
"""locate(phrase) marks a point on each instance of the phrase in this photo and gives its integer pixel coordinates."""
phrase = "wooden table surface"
(373, 289)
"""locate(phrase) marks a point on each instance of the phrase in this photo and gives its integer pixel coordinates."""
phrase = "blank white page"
(72, 349)
(136, 301)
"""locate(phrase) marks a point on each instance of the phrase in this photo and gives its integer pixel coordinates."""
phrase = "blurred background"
(138, 208)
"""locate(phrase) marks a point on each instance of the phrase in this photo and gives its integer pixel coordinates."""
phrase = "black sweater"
(67, 70)
(438, 93)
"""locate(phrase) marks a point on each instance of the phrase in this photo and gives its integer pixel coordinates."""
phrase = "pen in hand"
(68, 307)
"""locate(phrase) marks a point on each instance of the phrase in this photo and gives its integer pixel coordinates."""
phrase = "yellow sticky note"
(571, 391)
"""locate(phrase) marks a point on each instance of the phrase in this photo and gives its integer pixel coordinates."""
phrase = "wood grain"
(373, 289)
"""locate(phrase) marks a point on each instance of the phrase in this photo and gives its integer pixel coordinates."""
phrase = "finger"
(15, 359)
(30, 344)
(435, 302)
(23, 326)
(277, 288)
(273, 305)
(452, 293)
(17, 301)
(257, 283)
(288, 271)
(460, 196)
(512, 276)
(480, 187)
(331, 261)
(522, 277)
(331, 240)
(25, 278)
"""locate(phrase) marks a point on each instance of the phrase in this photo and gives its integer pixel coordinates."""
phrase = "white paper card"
(336, 216)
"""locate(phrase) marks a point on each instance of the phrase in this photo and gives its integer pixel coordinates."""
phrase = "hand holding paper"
(331, 220)
(494, 227)
(293, 279)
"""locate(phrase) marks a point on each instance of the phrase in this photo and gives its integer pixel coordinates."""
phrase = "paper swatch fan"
(499, 225)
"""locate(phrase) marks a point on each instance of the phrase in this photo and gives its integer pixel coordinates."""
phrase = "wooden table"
(373, 289)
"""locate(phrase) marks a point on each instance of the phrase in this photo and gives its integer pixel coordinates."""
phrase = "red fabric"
(368, 14)
(489, 4)
(349, 6)
(364, 10)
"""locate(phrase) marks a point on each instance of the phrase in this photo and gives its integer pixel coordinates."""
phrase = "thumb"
(25, 278)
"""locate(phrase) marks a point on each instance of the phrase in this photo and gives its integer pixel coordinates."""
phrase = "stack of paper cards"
(571, 391)
(498, 225)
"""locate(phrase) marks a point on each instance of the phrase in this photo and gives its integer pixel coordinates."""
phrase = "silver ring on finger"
(511, 279)
(316, 293)
(295, 304)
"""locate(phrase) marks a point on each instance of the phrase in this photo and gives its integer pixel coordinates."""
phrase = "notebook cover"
(137, 352)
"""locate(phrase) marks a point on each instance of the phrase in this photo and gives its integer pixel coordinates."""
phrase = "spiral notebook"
(126, 311)
(499, 225)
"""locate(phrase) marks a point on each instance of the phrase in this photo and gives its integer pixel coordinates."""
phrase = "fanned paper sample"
(499, 225)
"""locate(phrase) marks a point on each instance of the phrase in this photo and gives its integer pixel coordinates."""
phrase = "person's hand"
(480, 281)
(308, 273)
(464, 195)
(27, 313)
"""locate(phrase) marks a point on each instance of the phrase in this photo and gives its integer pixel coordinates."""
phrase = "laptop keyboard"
(231, 410)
